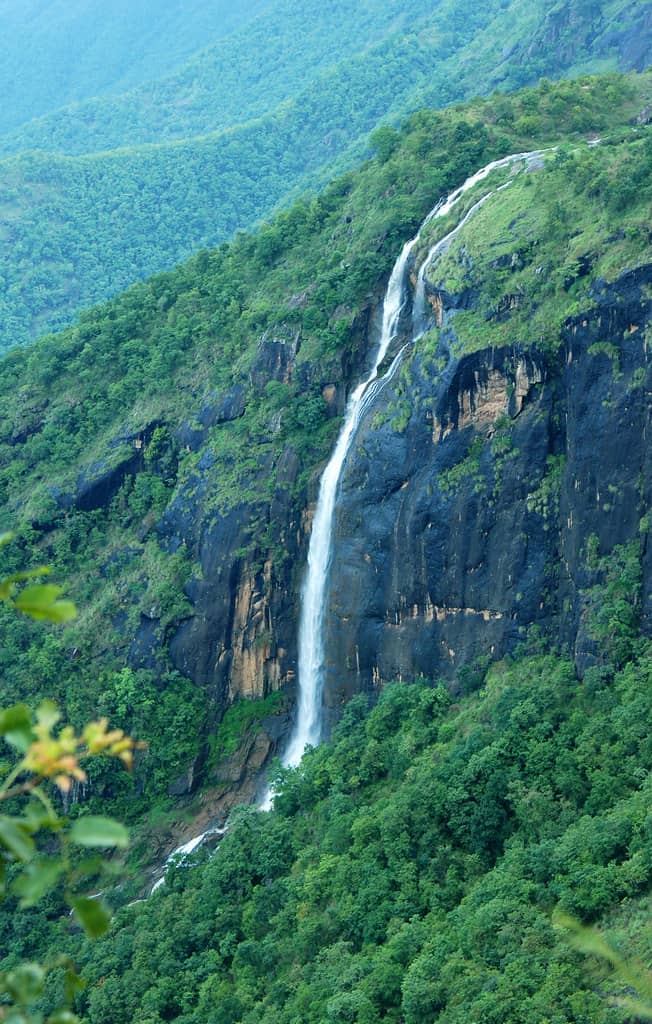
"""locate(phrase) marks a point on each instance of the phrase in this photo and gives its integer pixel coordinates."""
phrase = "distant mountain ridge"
(273, 49)
(276, 107)
(56, 52)
(245, 75)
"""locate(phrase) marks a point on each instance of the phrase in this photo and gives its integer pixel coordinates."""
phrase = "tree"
(40, 848)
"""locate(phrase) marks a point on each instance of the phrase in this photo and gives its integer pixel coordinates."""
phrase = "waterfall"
(311, 655)
(307, 730)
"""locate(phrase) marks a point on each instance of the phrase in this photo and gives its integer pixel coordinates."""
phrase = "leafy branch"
(629, 972)
(39, 848)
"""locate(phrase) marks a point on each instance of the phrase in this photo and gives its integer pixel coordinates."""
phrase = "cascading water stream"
(419, 318)
(307, 729)
(311, 655)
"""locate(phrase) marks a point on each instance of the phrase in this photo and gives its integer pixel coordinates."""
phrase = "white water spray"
(180, 855)
(308, 724)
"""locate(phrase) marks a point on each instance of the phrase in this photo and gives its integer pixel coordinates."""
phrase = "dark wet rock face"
(98, 484)
(572, 29)
(460, 524)
(240, 642)
(145, 649)
(274, 360)
(222, 408)
(465, 509)
(457, 533)
(217, 408)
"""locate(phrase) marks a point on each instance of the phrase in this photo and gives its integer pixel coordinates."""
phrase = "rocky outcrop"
(100, 481)
(461, 523)
(215, 409)
(572, 28)
(458, 533)
(240, 641)
(274, 359)
(457, 530)
(485, 386)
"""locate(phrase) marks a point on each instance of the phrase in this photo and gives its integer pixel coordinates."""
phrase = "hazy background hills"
(190, 123)
(56, 52)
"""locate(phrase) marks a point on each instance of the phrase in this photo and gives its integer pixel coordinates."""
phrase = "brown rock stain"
(255, 670)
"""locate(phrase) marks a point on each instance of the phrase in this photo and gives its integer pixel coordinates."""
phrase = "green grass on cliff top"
(532, 252)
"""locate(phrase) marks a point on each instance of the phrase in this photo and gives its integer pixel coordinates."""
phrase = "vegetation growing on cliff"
(135, 433)
(531, 255)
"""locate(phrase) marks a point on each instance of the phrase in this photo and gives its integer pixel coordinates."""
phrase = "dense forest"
(410, 867)
(59, 52)
(95, 196)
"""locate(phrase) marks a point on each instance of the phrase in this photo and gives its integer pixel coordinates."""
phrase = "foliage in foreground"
(40, 848)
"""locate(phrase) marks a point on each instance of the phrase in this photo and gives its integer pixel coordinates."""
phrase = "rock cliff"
(165, 455)
(466, 517)
(469, 520)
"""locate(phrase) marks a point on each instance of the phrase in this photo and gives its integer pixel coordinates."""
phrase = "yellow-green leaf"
(15, 839)
(62, 611)
(93, 830)
(92, 914)
(28, 574)
(38, 878)
(47, 714)
(41, 601)
(16, 726)
(25, 983)
(40, 595)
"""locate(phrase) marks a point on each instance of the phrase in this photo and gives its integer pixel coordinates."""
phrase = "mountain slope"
(73, 231)
(244, 76)
(288, 45)
(56, 52)
(492, 530)
(162, 453)
(409, 870)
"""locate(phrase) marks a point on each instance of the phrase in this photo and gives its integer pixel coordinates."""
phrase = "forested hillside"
(268, 111)
(490, 608)
(410, 868)
(243, 76)
(161, 454)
